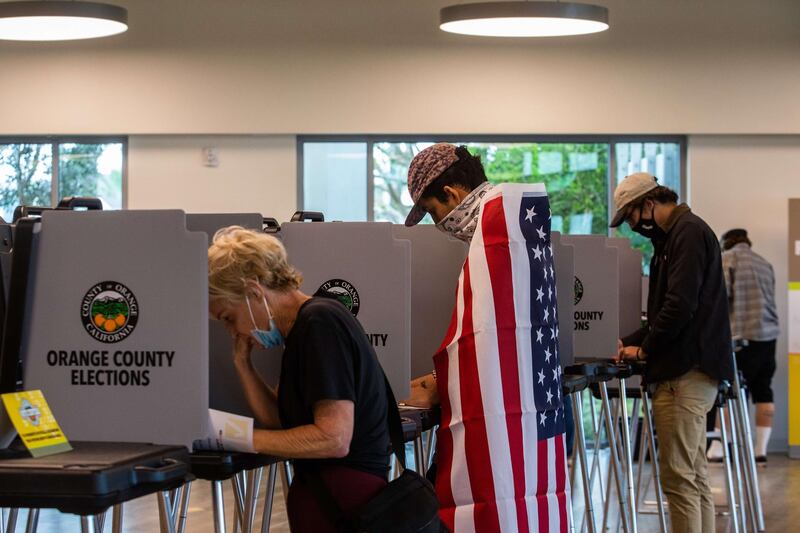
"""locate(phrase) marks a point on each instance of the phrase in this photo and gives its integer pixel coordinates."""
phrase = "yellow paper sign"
(35, 423)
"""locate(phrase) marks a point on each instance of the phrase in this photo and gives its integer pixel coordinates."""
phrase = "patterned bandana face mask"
(462, 221)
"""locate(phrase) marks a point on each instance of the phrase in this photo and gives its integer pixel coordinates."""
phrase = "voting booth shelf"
(92, 477)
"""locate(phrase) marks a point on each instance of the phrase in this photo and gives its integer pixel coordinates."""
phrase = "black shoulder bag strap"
(323, 493)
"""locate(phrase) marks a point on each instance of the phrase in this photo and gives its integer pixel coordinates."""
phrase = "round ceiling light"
(60, 20)
(524, 19)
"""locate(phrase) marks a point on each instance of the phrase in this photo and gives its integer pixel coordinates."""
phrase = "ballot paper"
(227, 433)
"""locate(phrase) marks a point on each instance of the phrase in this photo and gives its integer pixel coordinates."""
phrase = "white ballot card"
(227, 433)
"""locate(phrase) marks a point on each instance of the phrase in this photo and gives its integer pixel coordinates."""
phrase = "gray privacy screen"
(436, 262)
(564, 258)
(596, 314)
(225, 391)
(116, 334)
(364, 266)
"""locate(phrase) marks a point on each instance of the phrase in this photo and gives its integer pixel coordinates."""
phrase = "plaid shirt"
(751, 293)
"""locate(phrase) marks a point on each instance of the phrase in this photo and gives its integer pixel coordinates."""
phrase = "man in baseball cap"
(632, 189)
(447, 182)
(686, 341)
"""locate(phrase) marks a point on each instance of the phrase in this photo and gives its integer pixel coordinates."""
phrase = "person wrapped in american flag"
(501, 458)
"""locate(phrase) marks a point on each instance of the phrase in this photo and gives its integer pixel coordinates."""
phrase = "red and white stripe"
(494, 474)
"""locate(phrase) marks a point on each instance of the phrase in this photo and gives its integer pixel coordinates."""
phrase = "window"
(661, 159)
(575, 175)
(364, 178)
(42, 171)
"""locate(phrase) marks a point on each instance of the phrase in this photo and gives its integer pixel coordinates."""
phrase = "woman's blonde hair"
(238, 255)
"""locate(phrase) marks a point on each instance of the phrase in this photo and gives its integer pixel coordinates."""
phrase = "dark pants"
(351, 489)
(569, 424)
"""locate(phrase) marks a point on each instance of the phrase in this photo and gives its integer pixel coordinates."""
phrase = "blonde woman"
(329, 412)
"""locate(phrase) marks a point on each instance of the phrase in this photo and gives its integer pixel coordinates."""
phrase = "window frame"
(370, 140)
(55, 140)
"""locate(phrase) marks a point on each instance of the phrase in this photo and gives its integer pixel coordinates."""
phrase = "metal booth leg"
(613, 446)
(748, 459)
(251, 498)
(116, 525)
(729, 481)
(648, 421)
(626, 447)
(286, 480)
(165, 518)
(269, 497)
(183, 508)
(737, 467)
(33, 521)
(11, 525)
(218, 506)
(88, 524)
(419, 454)
(580, 448)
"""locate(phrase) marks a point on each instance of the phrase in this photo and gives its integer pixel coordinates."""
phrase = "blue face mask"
(271, 338)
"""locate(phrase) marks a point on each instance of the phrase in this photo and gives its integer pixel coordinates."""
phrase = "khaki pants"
(679, 411)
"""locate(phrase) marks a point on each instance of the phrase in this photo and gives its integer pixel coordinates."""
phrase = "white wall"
(317, 66)
(746, 181)
(255, 174)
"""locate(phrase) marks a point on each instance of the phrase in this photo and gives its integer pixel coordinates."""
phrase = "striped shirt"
(750, 281)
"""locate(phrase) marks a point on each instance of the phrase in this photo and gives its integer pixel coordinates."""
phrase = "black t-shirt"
(328, 357)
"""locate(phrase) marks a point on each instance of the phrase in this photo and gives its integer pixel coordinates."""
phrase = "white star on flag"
(552, 274)
(537, 252)
(550, 293)
(547, 354)
(541, 232)
(549, 396)
(539, 335)
(539, 294)
(555, 374)
(552, 333)
(542, 417)
(546, 314)
(541, 378)
(530, 215)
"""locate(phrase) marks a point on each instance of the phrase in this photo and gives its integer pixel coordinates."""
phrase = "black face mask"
(647, 227)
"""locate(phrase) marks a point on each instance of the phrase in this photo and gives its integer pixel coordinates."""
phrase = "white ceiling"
(243, 23)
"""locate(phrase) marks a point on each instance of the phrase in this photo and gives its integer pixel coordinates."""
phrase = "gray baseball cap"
(426, 166)
(628, 192)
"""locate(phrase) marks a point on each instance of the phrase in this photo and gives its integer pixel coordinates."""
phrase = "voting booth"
(564, 259)
(630, 285)
(596, 311)
(436, 261)
(225, 390)
(108, 312)
(368, 269)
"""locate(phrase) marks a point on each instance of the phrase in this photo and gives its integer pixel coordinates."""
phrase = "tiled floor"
(780, 487)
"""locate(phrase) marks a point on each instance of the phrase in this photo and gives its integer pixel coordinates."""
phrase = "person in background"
(686, 341)
(329, 412)
(750, 281)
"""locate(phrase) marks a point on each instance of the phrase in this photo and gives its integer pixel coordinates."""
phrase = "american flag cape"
(501, 450)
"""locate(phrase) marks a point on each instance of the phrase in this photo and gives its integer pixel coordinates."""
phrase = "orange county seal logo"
(109, 312)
